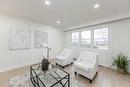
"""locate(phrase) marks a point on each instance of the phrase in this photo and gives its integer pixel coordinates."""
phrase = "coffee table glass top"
(53, 77)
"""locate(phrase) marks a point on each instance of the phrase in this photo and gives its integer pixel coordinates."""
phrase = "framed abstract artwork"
(20, 38)
(40, 37)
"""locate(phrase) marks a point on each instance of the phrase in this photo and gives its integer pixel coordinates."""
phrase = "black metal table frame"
(36, 80)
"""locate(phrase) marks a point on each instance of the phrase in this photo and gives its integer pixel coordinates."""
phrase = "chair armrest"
(94, 65)
(77, 61)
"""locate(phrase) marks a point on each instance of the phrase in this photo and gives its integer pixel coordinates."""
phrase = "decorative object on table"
(45, 45)
(40, 37)
(20, 38)
(121, 62)
(50, 66)
(45, 69)
(45, 64)
(45, 61)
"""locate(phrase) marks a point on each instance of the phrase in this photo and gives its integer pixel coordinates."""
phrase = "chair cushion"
(89, 57)
(59, 57)
(83, 66)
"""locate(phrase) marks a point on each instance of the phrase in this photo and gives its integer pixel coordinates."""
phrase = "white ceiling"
(70, 12)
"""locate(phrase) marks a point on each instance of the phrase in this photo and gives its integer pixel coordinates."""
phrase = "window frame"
(92, 38)
(99, 28)
(78, 39)
(86, 29)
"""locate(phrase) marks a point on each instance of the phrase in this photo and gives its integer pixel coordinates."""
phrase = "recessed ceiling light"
(58, 22)
(47, 2)
(96, 6)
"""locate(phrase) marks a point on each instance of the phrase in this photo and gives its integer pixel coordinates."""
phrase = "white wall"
(120, 42)
(10, 59)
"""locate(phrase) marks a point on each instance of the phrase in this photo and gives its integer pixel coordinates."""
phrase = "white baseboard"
(15, 67)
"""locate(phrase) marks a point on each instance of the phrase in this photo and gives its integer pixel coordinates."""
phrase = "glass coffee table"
(54, 77)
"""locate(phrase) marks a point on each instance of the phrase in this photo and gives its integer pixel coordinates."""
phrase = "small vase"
(45, 64)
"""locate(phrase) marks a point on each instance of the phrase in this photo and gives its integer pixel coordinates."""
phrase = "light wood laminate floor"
(106, 77)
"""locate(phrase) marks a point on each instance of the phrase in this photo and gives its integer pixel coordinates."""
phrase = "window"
(86, 39)
(75, 39)
(101, 38)
(95, 38)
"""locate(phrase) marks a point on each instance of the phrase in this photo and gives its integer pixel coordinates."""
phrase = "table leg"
(68, 80)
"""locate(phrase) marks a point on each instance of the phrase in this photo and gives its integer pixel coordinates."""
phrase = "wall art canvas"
(40, 37)
(20, 38)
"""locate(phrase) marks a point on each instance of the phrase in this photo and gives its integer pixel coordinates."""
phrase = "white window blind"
(75, 39)
(101, 38)
(95, 38)
(86, 39)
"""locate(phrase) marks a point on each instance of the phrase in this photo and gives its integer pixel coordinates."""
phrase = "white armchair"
(87, 64)
(65, 57)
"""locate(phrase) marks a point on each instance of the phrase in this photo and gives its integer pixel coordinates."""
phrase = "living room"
(86, 42)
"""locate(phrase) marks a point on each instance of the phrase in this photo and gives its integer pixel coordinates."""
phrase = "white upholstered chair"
(87, 64)
(65, 57)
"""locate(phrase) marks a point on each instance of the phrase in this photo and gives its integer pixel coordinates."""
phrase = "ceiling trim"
(101, 21)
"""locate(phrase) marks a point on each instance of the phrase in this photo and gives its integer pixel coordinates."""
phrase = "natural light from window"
(86, 39)
(95, 38)
(75, 39)
(101, 38)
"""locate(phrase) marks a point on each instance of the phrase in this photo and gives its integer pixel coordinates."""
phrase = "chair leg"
(93, 78)
(75, 73)
(96, 72)
(90, 81)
